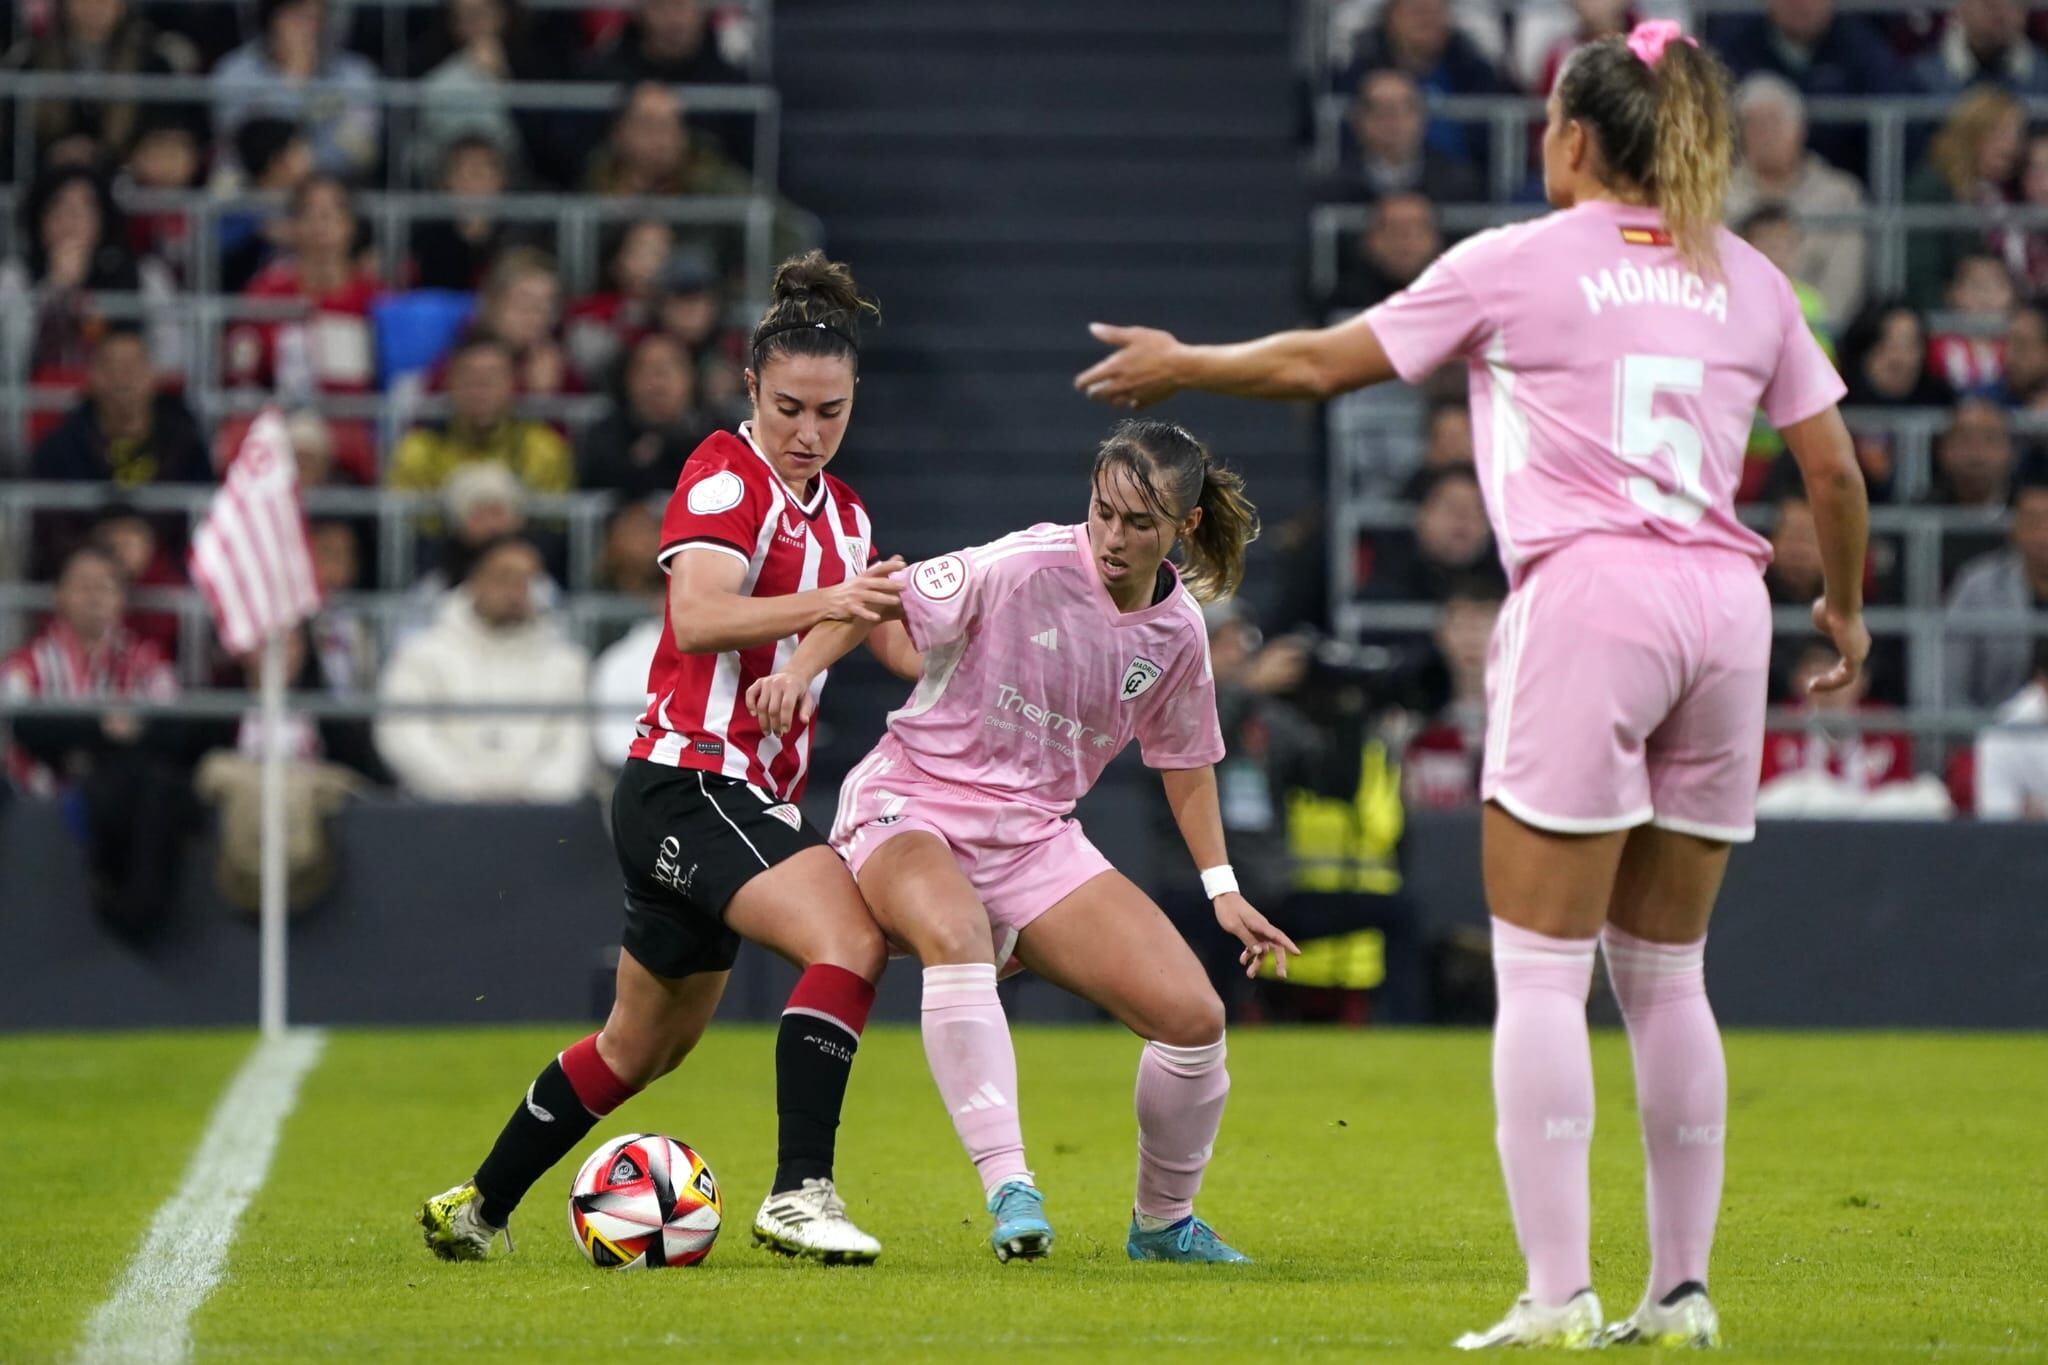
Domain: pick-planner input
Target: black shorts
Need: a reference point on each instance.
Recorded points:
(687, 841)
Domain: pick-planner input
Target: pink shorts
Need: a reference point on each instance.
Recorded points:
(1021, 861)
(1625, 686)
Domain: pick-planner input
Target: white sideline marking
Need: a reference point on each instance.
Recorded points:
(149, 1315)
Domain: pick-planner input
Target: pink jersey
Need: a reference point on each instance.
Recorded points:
(1612, 386)
(1033, 680)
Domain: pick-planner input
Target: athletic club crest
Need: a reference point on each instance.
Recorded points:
(787, 814)
(1140, 675)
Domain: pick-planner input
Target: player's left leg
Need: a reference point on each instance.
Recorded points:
(654, 1022)
(1108, 943)
(924, 900)
(1548, 893)
(1702, 765)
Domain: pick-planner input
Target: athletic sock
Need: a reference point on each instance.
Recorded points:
(1543, 1100)
(1179, 1099)
(821, 1027)
(562, 1105)
(1682, 1093)
(967, 1043)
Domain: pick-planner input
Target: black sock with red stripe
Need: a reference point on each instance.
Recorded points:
(558, 1111)
(821, 1028)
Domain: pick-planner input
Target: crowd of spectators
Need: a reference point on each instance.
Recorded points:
(475, 317)
(516, 372)
(1959, 352)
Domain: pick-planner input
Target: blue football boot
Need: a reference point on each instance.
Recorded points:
(1021, 1230)
(1190, 1239)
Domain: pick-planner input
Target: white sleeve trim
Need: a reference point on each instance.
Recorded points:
(672, 551)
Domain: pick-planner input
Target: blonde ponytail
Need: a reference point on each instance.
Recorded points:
(1215, 551)
(1694, 146)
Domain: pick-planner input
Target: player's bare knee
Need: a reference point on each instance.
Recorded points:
(1193, 1022)
(635, 1055)
(952, 939)
(858, 947)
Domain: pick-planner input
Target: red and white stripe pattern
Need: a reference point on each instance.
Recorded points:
(730, 501)
(251, 556)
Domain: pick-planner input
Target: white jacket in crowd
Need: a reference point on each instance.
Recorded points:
(492, 757)
(619, 680)
(2012, 761)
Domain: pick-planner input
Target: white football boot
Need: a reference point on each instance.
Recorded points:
(1682, 1320)
(811, 1221)
(1573, 1327)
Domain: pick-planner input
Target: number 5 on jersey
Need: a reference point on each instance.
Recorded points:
(1642, 436)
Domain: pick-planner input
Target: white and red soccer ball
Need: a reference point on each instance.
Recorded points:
(644, 1201)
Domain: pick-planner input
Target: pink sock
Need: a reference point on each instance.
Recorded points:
(1180, 1106)
(1682, 1091)
(1543, 1099)
(967, 1043)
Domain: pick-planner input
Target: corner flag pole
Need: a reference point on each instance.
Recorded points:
(271, 994)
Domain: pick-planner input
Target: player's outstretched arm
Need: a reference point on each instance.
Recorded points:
(1841, 514)
(1149, 365)
(1191, 794)
(710, 614)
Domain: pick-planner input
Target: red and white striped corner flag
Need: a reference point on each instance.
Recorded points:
(250, 554)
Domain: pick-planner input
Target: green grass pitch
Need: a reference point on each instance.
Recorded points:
(1887, 1200)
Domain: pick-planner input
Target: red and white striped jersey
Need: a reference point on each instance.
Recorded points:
(57, 665)
(730, 500)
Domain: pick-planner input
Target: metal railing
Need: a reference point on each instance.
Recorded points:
(1922, 623)
(200, 315)
(1511, 120)
(752, 216)
(393, 14)
(1889, 226)
(1317, 61)
(397, 519)
(23, 89)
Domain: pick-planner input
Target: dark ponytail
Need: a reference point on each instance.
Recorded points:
(1174, 473)
(815, 308)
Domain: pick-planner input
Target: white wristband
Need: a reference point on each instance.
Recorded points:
(1218, 881)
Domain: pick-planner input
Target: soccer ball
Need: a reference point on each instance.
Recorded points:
(643, 1201)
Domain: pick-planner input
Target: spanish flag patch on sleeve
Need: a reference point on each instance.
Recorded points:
(1645, 236)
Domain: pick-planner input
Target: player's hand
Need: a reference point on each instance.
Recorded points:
(1143, 370)
(871, 595)
(779, 700)
(1255, 932)
(1851, 638)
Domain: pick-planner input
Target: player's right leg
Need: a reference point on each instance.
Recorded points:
(924, 902)
(807, 909)
(654, 1022)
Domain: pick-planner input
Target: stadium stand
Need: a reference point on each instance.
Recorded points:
(318, 204)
